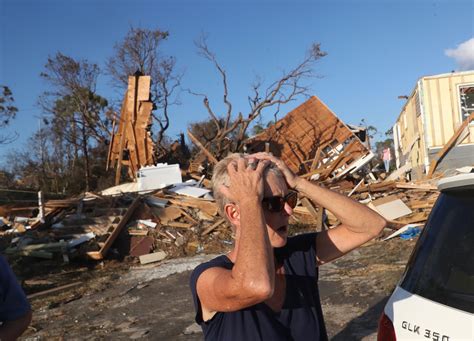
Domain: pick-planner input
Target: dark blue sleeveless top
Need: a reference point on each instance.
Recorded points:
(301, 316)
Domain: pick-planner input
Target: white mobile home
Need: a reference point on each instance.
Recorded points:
(433, 112)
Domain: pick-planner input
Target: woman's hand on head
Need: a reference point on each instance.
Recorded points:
(290, 177)
(245, 179)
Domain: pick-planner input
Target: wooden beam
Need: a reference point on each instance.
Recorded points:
(211, 157)
(327, 172)
(121, 143)
(213, 227)
(179, 224)
(316, 159)
(54, 290)
(453, 141)
(187, 216)
(111, 143)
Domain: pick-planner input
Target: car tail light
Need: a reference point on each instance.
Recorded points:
(386, 331)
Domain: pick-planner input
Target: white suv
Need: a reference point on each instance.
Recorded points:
(434, 300)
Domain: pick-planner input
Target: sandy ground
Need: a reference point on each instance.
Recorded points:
(154, 302)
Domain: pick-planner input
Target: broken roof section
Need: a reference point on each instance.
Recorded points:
(311, 140)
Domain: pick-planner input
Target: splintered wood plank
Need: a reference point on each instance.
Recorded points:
(188, 217)
(205, 182)
(167, 214)
(111, 144)
(207, 207)
(54, 290)
(309, 206)
(210, 156)
(179, 224)
(138, 90)
(138, 232)
(317, 157)
(213, 226)
(421, 187)
(152, 257)
(132, 147)
(144, 84)
(121, 140)
(415, 218)
(377, 187)
(459, 135)
(143, 138)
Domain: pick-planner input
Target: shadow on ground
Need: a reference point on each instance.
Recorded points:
(363, 325)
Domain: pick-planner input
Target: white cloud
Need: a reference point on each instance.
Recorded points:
(463, 54)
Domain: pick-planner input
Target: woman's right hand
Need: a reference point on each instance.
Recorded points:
(246, 181)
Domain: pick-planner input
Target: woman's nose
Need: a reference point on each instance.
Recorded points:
(287, 209)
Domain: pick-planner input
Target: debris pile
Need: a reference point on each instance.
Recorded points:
(159, 216)
(175, 221)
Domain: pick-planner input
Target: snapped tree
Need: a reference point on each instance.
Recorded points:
(140, 51)
(229, 131)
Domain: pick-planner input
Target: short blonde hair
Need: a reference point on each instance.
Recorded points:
(220, 177)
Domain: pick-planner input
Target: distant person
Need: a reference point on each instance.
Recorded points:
(266, 288)
(15, 311)
(386, 157)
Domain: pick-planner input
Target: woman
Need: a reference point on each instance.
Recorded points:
(266, 287)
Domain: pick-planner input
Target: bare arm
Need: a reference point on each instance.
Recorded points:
(251, 280)
(359, 224)
(11, 330)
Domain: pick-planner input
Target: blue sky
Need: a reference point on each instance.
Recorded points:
(376, 49)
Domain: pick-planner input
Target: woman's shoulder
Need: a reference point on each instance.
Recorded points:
(221, 261)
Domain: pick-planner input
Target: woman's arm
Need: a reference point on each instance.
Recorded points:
(359, 223)
(251, 280)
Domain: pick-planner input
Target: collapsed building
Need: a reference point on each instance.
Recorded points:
(313, 141)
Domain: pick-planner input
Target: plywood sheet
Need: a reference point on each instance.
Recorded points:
(391, 208)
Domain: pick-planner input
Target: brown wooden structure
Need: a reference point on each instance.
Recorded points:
(311, 139)
(131, 144)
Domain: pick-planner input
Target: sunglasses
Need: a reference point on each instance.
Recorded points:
(277, 204)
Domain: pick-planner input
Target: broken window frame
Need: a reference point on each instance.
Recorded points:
(463, 111)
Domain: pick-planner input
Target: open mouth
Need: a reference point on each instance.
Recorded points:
(283, 229)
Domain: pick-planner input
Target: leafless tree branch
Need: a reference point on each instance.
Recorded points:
(281, 91)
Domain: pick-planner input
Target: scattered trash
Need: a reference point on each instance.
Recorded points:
(410, 233)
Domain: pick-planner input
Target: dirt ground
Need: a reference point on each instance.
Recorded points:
(115, 301)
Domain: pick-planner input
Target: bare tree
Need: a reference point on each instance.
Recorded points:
(7, 113)
(140, 51)
(288, 87)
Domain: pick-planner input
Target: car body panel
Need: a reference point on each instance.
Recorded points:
(417, 318)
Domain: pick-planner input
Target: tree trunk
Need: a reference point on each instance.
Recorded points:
(86, 156)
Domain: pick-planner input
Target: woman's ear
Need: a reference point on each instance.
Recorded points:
(233, 214)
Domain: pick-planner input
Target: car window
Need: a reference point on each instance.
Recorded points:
(441, 267)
